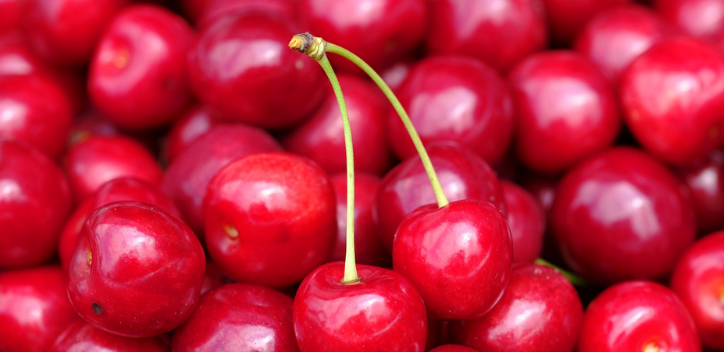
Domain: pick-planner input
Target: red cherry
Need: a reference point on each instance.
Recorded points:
(218, 10)
(213, 277)
(557, 94)
(541, 187)
(566, 18)
(137, 271)
(698, 280)
(637, 316)
(12, 15)
(82, 336)
(193, 123)
(621, 215)
(457, 256)
(234, 316)
(397, 73)
(705, 183)
(527, 221)
(381, 312)
(193, 9)
(539, 312)
(699, 18)
(141, 58)
(455, 98)
(501, 33)
(270, 218)
(673, 100)
(452, 348)
(34, 309)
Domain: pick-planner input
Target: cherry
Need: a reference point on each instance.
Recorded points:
(556, 94)
(501, 33)
(672, 99)
(455, 98)
(239, 316)
(637, 316)
(141, 57)
(98, 159)
(699, 18)
(542, 187)
(193, 123)
(218, 10)
(698, 280)
(243, 70)
(705, 182)
(381, 312)
(539, 311)
(12, 15)
(82, 336)
(397, 73)
(34, 309)
(193, 9)
(213, 277)
(137, 271)
(614, 37)
(458, 256)
(270, 218)
(527, 221)
(452, 348)
(566, 18)
(621, 215)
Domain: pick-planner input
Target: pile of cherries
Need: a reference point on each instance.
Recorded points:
(172, 176)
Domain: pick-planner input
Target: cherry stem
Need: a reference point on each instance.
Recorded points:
(571, 277)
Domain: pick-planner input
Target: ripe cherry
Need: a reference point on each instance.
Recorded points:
(705, 182)
(82, 336)
(192, 123)
(566, 18)
(527, 222)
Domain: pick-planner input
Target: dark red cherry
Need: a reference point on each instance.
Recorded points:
(702, 19)
(239, 316)
(614, 37)
(12, 15)
(501, 33)
(381, 312)
(698, 280)
(637, 316)
(566, 18)
(34, 309)
(673, 100)
(35, 201)
(561, 93)
(621, 215)
(137, 271)
(462, 174)
(141, 58)
(452, 348)
(539, 312)
(541, 187)
(193, 9)
(457, 256)
(218, 10)
(705, 182)
(194, 122)
(270, 218)
(98, 159)
(397, 73)
(243, 70)
(82, 336)
(213, 277)
(186, 179)
(527, 221)
(455, 98)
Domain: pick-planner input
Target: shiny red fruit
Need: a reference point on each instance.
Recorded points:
(452, 348)
(193, 123)
(566, 18)
(220, 10)
(137, 271)
(12, 14)
(381, 312)
(527, 222)
(457, 256)
(702, 19)
(83, 337)
(270, 218)
(705, 182)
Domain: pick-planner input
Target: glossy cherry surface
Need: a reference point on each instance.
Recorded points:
(699, 18)
(137, 271)
(381, 312)
(539, 312)
(637, 316)
(192, 123)
(270, 218)
(705, 182)
(527, 222)
(454, 98)
(35, 201)
(12, 13)
(141, 58)
(698, 280)
(457, 256)
(566, 18)
(82, 336)
(321, 137)
(452, 348)
(219, 10)
(239, 317)
(243, 69)
(34, 309)
(621, 215)
(672, 99)
(462, 174)
(561, 93)
(501, 33)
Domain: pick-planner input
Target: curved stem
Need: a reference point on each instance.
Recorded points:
(572, 278)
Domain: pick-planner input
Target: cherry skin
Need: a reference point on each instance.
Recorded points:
(561, 93)
(35, 201)
(539, 312)
(193, 123)
(698, 280)
(621, 215)
(527, 222)
(213, 277)
(137, 271)
(462, 175)
(637, 316)
(455, 98)
(541, 187)
(141, 58)
(234, 316)
(457, 256)
(82, 336)
(218, 10)
(321, 137)
(672, 99)
(500, 33)
(381, 312)
(566, 18)
(12, 14)
(452, 348)
(705, 182)
(699, 18)
(270, 218)
(243, 70)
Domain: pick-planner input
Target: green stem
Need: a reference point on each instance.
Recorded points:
(439, 194)
(572, 278)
